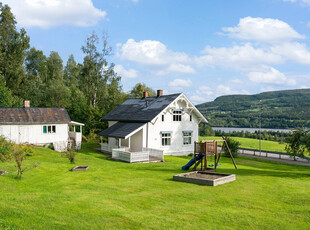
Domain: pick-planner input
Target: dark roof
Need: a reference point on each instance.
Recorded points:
(140, 109)
(120, 129)
(34, 115)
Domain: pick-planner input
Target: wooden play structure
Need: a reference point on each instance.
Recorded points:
(207, 149)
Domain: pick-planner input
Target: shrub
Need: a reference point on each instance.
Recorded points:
(19, 153)
(93, 137)
(70, 154)
(233, 146)
(5, 149)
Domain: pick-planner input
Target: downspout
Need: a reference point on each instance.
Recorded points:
(147, 135)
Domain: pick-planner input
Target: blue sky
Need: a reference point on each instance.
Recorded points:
(202, 48)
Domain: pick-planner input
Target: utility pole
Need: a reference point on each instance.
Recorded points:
(260, 128)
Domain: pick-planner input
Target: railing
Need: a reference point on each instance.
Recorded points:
(123, 155)
(108, 148)
(155, 153)
(272, 154)
(77, 137)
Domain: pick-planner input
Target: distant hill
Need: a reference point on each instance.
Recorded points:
(278, 109)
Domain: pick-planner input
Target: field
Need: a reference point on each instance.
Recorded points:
(117, 195)
(253, 143)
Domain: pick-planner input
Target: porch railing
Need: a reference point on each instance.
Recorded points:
(123, 155)
(155, 153)
(146, 154)
(108, 148)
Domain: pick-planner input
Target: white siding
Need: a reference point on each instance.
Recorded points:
(111, 140)
(177, 128)
(33, 134)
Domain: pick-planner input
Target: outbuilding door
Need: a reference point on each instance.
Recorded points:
(23, 134)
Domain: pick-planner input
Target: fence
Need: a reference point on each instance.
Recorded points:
(272, 154)
(155, 153)
(123, 155)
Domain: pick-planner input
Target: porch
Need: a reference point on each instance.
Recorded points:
(75, 134)
(126, 143)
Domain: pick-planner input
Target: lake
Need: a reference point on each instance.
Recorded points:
(251, 130)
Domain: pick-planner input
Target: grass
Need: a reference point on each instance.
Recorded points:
(253, 143)
(117, 195)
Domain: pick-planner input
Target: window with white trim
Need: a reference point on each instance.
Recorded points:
(166, 138)
(49, 129)
(177, 115)
(187, 137)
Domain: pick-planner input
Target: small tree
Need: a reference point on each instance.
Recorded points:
(298, 144)
(19, 153)
(70, 154)
(233, 146)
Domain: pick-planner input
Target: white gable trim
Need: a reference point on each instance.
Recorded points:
(135, 131)
(189, 106)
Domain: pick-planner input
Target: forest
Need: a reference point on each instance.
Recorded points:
(87, 90)
(276, 109)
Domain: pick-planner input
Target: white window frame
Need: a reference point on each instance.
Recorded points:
(165, 138)
(187, 137)
(177, 115)
(49, 129)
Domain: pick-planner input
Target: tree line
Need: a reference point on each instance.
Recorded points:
(87, 90)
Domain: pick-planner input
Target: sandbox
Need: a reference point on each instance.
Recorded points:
(205, 178)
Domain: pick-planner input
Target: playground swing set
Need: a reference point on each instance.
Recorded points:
(204, 152)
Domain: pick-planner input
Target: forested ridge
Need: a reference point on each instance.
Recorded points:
(278, 109)
(88, 90)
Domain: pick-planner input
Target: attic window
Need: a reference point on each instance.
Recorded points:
(162, 117)
(177, 115)
(190, 117)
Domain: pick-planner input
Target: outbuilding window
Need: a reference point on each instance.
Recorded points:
(187, 137)
(177, 115)
(165, 138)
(49, 128)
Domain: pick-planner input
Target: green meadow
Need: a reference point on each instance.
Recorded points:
(118, 195)
(253, 143)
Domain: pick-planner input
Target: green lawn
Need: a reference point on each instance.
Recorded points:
(253, 143)
(117, 195)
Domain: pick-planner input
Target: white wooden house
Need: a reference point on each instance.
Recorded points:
(151, 127)
(40, 126)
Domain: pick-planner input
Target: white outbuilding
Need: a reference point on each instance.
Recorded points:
(40, 126)
(151, 127)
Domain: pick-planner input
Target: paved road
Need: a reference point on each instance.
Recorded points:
(276, 159)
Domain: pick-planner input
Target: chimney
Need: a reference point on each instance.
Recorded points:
(159, 93)
(145, 94)
(27, 104)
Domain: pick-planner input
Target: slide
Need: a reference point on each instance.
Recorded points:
(191, 162)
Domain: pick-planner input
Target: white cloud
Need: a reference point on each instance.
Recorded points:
(198, 99)
(180, 83)
(49, 13)
(155, 55)
(270, 76)
(202, 94)
(226, 90)
(126, 73)
(295, 51)
(238, 57)
(263, 29)
(303, 2)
